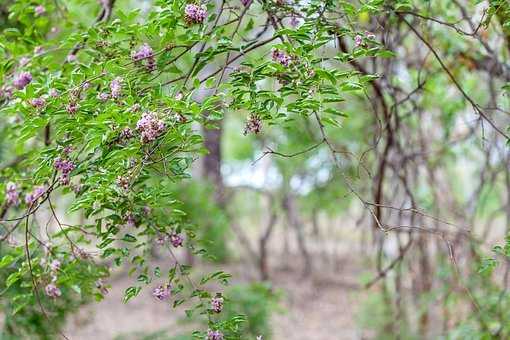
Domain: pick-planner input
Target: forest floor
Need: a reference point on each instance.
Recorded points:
(321, 307)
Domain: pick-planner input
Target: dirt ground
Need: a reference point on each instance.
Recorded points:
(322, 307)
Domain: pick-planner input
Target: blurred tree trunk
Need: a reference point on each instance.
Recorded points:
(212, 161)
(289, 206)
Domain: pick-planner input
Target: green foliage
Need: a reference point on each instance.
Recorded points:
(256, 302)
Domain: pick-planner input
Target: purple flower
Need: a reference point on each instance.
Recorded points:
(161, 240)
(294, 21)
(150, 127)
(53, 93)
(116, 87)
(52, 290)
(103, 96)
(126, 133)
(130, 220)
(38, 50)
(23, 61)
(194, 14)
(12, 194)
(72, 107)
(145, 51)
(253, 125)
(65, 166)
(39, 10)
(281, 57)
(369, 35)
(246, 2)
(176, 239)
(55, 265)
(145, 54)
(35, 195)
(68, 149)
(358, 40)
(22, 80)
(162, 292)
(214, 335)
(217, 304)
(38, 102)
(71, 58)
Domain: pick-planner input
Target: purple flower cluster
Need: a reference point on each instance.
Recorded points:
(39, 10)
(145, 53)
(217, 304)
(103, 96)
(22, 80)
(162, 292)
(194, 14)
(72, 107)
(55, 265)
(38, 50)
(53, 93)
(176, 239)
(130, 220)
(52, 290)
(12, 194)
(38, 102)
(253, 125)
(150, 127)
(65, 166)
(116, 87)
(281, 57)
(32, 197)
(214, 335)
(358, 40)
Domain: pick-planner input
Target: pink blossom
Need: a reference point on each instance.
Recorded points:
(194, 14)
(217, 304)
(65, 166)
(103, 96)
(12, 194)
(176, 239)
(358, 40)
(71, 58)
(162, 292)
(38, 102)
(52, 290)
(23, 61)
(39, 10)
(281, 57)
(214, 335)
(150, 127)
(38, 50)
(55, 265)
(72, 107)
(22, 80)
(253, 125)
(116, 87)
(35, 195)
(130, 220)
(145, 54)
(370, 35)
(53, 93)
